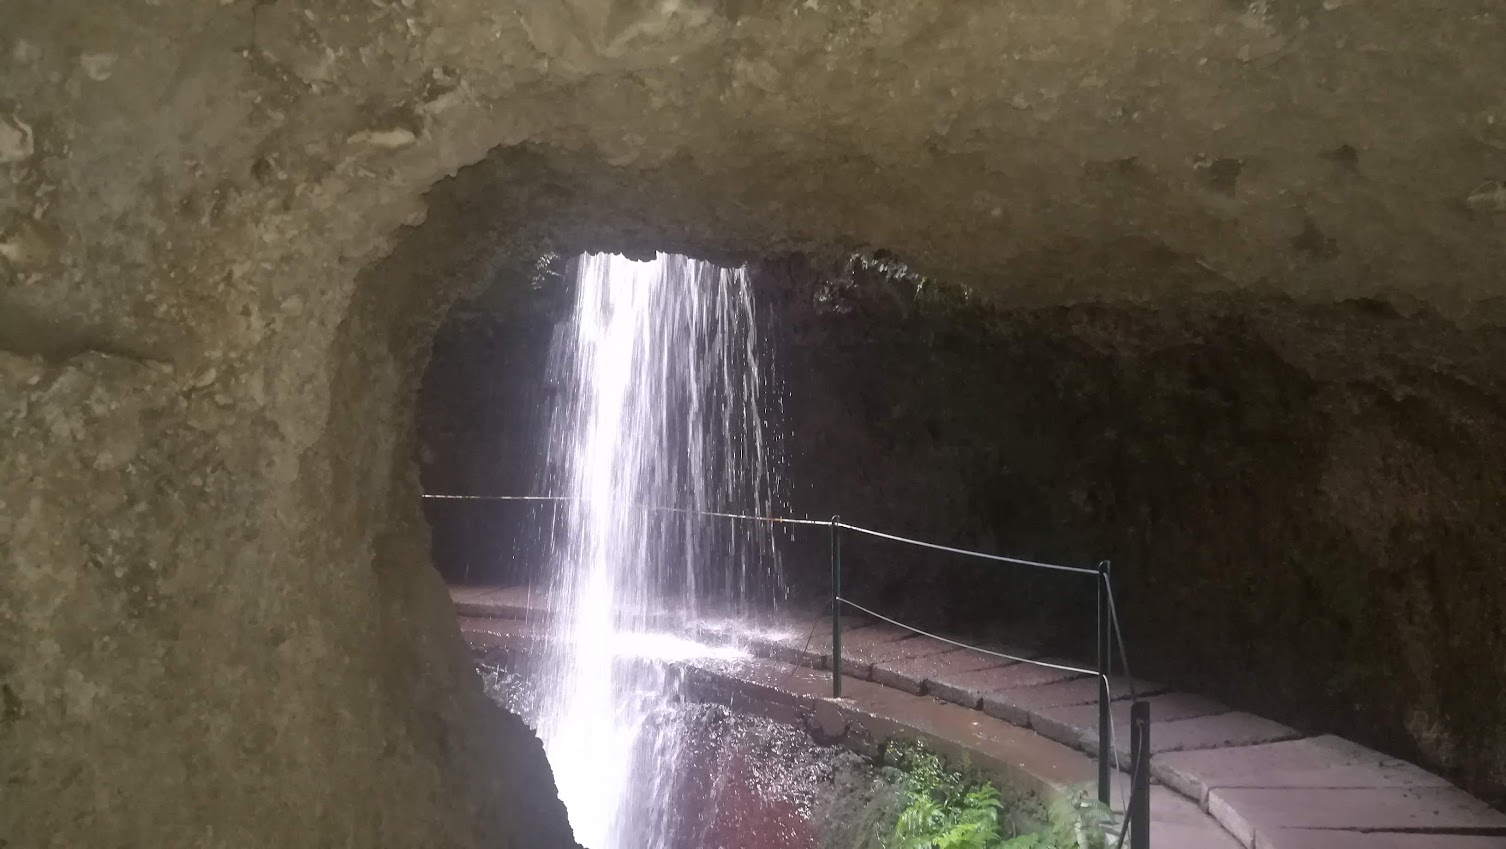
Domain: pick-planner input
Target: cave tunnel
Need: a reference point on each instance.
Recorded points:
(1213, 290)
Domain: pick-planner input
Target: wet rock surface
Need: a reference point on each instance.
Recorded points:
(735, 781)
(1299, 501)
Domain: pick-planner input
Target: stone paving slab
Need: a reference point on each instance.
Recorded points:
(1319, 838)
(1251, 813)
(792, 651)
(818, 624)
(807, 641)
(859, 660)
(862, 646)
(1077, 725)
(806, 648)
(1018, 704)
(1219, 731)
(1222, 731)
(857, 642)
(762, 620)
(969, 688)
(878, 634)
(912, 674)
(1177, 823)
(1314, 762)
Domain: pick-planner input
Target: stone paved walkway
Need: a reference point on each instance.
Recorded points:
(1223, 778)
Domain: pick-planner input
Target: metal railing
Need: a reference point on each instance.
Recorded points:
(1136, 824)
(1109, 637)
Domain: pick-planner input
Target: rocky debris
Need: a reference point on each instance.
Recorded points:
(389, 139)
(98, 66)
(16, 141)
(1488, 197)
(27, 244)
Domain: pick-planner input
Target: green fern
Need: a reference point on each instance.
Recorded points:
(1077, 820)
(945, 810)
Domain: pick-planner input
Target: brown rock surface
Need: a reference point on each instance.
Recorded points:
(220, 271)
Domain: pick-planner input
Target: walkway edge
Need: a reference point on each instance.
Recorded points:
(1255, 780)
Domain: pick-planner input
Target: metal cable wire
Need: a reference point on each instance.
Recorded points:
(1134, 782)
(795, 663)
(789, 521)
(654, 507)
(896, 622)
(1113, 747)
(1113, 609)
(772, 519)
(1129, 678)
(501, 497)
(998, 557)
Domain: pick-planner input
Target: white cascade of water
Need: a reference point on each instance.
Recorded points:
(660, 401)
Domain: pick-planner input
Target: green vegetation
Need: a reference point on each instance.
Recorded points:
(944, 809)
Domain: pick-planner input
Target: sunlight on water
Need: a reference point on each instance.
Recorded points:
(660, 401)
(671, 648)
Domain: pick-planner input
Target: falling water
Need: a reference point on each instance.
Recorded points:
(660, 404)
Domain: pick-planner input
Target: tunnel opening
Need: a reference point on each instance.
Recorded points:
(1079, 433)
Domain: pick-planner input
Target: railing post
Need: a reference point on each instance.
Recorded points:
(1105, 649)
(836, 607)
(1139, 808)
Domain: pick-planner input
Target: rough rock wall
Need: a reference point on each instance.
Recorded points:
(217, 626)
(1301, 502)
(205, 504)
(484, 401)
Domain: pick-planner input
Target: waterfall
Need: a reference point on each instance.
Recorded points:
(659, 402)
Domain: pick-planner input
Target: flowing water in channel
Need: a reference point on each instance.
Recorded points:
(661, 401)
